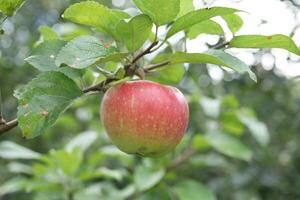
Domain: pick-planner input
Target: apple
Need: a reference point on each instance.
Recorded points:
(144, 117)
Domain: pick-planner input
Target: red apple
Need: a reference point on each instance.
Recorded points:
(144, 118)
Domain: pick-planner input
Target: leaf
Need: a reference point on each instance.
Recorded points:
(171, 74)
(258, 129)
(261, 41)
(197, 16)
(208, 27)
(145, 177)
(135, 32)
(8, 7)
(82, 141)
(103, 172)
(43, 58)
(13, 185)
(229, 145)
(43, 100)
(186, 6)
(234, 22)
(94, 14)
(10, 150)
(216, 57)
(192, 190)
(19, 168)
(68, 162)
(47, 33)
(161, 12)
(82, 52)
(231, 123)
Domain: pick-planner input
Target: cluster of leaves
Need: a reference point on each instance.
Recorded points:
(83, 169)
(65, 62)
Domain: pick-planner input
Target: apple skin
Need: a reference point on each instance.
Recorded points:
(144, 117)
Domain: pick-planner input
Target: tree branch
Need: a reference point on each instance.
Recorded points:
(6, 126)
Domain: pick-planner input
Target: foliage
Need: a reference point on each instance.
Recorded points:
(227, 149)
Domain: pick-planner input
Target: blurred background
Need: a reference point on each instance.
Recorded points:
(254, 156)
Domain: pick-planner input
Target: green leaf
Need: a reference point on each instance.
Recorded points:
(171, 74)
(47, 33)
(68, 162)
(8, 7)
(231, 123)
(186, 6)
(192, 190)
(208, 27)
(94, 14)
(83, 52)
(43, 59)
(103, 172)
(82, 141)
(229, 145)
(10, 150)
(216, 57)
(43, 100)
(197, 16)
(258, 129)
(135, 32)
(145, 177)
(13, 185)
(261, 41)
(161, 12)
(234, 22)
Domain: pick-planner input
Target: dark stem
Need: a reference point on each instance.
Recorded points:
(145, 52)
(220, 46)
(70, 196)
(100, 87)
(6, 126)
(155, 66)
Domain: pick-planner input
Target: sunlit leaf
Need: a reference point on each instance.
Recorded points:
(197, 16)
(135, 32)
(47, 33)
(208, 27)
(234, 22)
(94, 14)
(8, 7)
(261, 41)
(186, 6)
(161, 12)
(216, 57)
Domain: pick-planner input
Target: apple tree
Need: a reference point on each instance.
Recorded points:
(128, 58)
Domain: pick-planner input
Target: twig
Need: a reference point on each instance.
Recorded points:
(152, 67)
(148, 50)
(220, 46)
(100, 87)
(8, 126)
(145, 52)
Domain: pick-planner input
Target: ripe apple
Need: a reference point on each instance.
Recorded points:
(144, 117)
